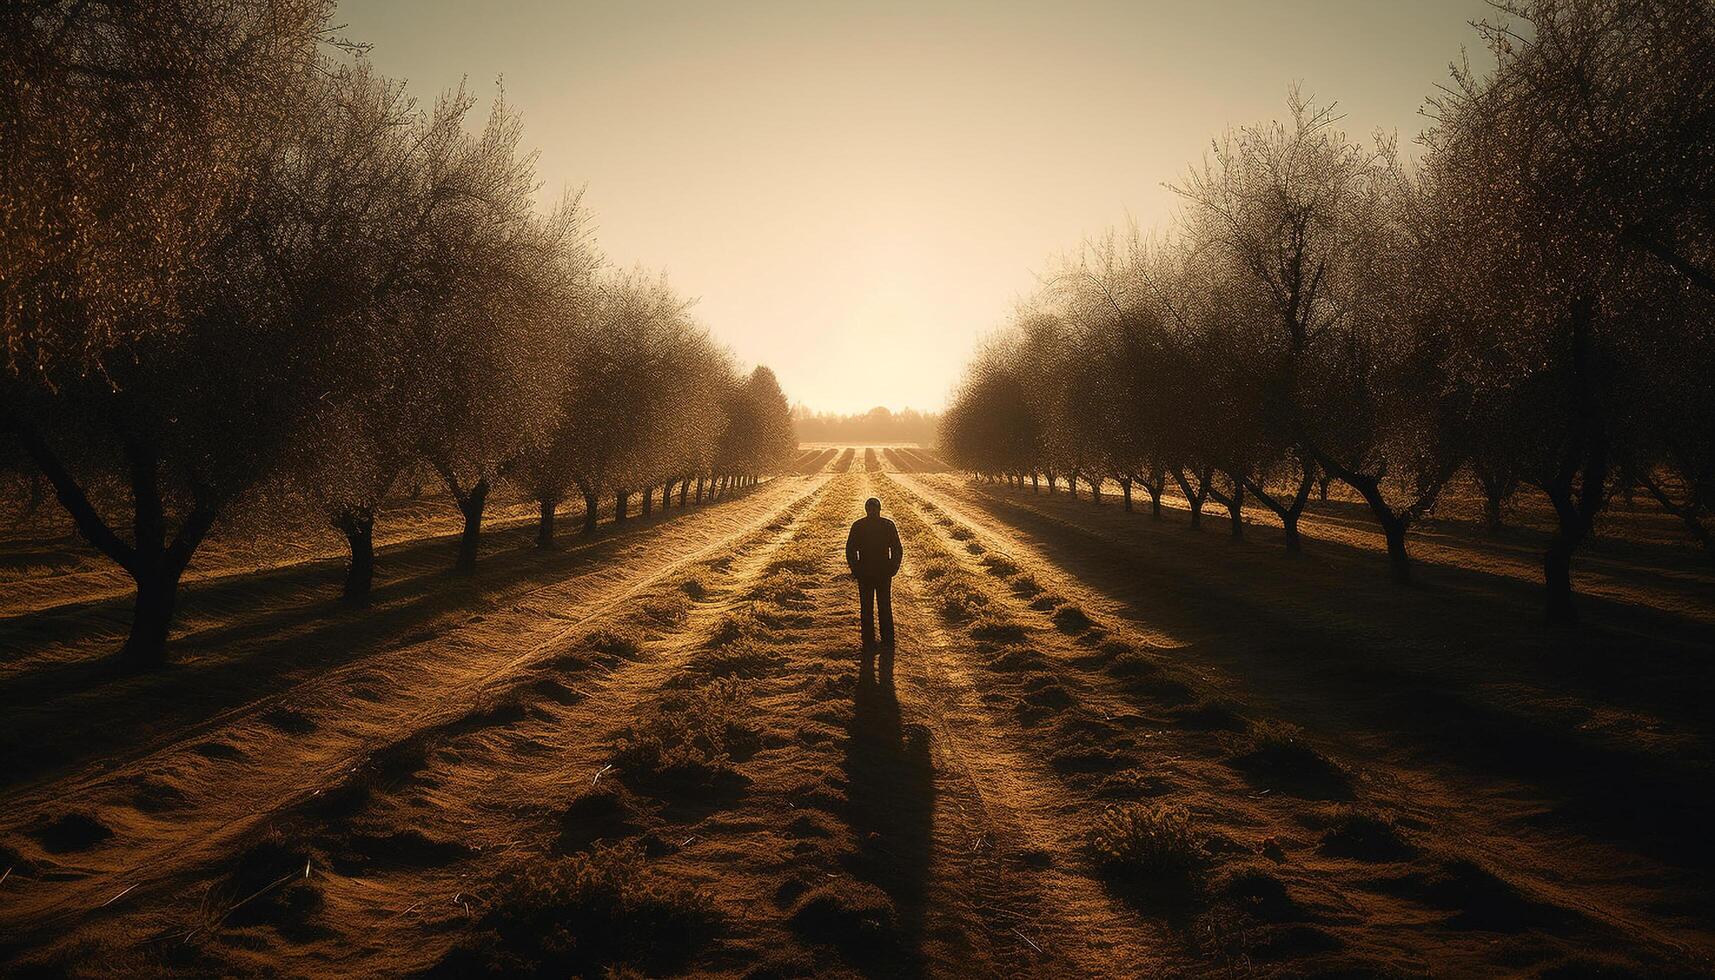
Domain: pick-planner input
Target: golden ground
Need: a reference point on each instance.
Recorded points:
(658, 748)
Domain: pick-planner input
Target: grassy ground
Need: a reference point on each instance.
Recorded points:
(1105, 746)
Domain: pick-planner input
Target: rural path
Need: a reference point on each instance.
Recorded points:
(696, 700)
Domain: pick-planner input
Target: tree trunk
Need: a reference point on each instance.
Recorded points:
(1579, 488)
(1496, 486)
(1394, 530)
(684, 488)
(1288, 512)
(621, 505)
(1393, 525)
(1236, 511)
(1557, 576)
(359, 531)
(471, 506)
(545, 522)
(1322, 486)
(1194, 500)
(151, 615)
(592, 517)
(1096, 491)
(700, 481)
(648, 499)
(1492, 524)
(1125, 493)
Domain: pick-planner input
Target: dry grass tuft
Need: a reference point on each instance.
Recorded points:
(688, 741)
(1280, 758)
(742, 657)
(613, 643)
(71, 832)
(1365, 837)
(669, 610)
(991, 629)
(585, 915)
(1143, 845)
(853, 916)
(1071, 619)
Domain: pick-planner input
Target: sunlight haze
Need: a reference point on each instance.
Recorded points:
(855, 194)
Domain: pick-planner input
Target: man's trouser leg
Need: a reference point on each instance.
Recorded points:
(866, 603)
(884, 606)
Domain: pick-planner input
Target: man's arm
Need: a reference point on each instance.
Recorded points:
(851, 549)
(894, 546)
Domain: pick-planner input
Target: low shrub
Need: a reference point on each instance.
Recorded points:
(1366, 838)
(1143, 845)
(585, 914)
(688, 740)
(613, 643)
(1280, 758)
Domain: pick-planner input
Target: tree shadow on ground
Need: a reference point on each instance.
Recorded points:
(281, 626)
(1458, 668)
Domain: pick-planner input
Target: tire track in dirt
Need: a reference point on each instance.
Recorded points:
(353, 714)
(1520, 855)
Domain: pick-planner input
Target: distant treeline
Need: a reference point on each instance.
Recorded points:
(1533, 303)
(879, 425)
(235, 261)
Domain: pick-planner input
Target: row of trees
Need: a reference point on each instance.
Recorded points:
(1531, 302)
(879, 424)
(233, 257)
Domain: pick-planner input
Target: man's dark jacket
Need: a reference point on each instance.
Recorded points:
(873, 550)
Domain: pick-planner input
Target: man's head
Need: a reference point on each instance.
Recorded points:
(872, 507)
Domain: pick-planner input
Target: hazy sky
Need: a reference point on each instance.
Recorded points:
(857, 192)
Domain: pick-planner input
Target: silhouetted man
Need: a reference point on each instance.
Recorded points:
(873, 553)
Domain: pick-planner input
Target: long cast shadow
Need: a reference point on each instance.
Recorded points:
(891, 794)
(1338, 648)
(45, 713)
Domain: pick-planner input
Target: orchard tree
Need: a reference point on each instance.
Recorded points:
(153, 372)
(758, 437)
(1318, 225)
(485, 355)
(1574, 173)
(341, 229)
